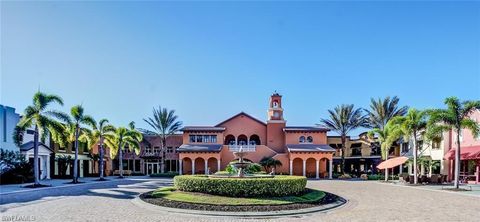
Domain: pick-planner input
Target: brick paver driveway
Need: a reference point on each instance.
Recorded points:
(113, 201)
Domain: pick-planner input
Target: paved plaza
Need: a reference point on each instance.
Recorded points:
(115, 200)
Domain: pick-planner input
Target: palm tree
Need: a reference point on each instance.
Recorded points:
(78, 120)
(456, 118)
(124, 138)
(44, 121)
(411, 125)
(385, 137)
(344, 119)
(164, 123)
(269, 162)
(103, 130)
(382, 110)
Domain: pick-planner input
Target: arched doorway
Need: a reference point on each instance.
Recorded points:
(311, 166)
(229, 140)
(199, 166)
(254, 139)
(297, 167)
(323, 168)
(242, 140)
(213, 165)
(186, 165)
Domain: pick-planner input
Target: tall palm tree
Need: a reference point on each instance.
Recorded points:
(103, 130)
(164, 123)
(456, 118)
(124, 138)
(385, 137)
(78, 120)
(343, 119)
(382, 110)
(44, 121)
(411, 126)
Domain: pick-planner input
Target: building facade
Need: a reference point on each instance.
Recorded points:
(148, 161)
(8, 120)
(302, 150)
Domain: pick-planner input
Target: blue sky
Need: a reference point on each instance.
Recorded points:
(211, 60)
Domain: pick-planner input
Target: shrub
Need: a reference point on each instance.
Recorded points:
(14, 168)
(168, 174)
(245, 187)
(364, 176)
(345, 176)
(253, 168)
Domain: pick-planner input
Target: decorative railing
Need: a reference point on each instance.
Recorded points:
(244, 148)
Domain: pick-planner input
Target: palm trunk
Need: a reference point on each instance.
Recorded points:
(36, 170)
(120, 160)
(415, 154)
(101, 159)
(386, 169)
(162, 167)
(342, 164)
(456, 182)
(75, 163)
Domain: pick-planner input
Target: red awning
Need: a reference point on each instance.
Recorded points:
(390, 163)
(466, 153)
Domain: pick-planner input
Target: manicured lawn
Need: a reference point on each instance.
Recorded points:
(170, 193)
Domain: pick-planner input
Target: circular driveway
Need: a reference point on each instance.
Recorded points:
(115, 201)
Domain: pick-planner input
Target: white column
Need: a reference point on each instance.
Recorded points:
(330, 168)
(193, 166)
(304, 168)
(401, 169)
(206, 166)
(48, 167)
(317, 168)
(430, 170)
(180, 166)
(218, 165)
(478, 173)
(291, 167)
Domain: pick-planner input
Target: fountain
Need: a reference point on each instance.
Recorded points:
(241, 165)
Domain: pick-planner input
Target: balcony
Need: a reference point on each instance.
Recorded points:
(244, 148)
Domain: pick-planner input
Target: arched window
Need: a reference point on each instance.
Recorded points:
(229, 140)
(309, 139)
(254, 139)
(242, 140)
(302, 139)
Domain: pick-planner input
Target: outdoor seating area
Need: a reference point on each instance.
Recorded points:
(424, 179)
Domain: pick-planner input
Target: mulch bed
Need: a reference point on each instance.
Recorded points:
(147, 197)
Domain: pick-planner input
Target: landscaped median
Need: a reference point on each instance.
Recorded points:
(279, 193)
(246, 187)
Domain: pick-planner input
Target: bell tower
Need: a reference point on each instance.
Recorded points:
(275, 110)
(276, 124)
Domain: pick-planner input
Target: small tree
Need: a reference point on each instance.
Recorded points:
(411, 126)
(124, 138)
(269, 162)
(386, 137)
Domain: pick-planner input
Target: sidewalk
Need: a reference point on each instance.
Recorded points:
(55, 183)
(472, 189)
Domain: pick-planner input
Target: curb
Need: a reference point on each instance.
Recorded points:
(53, 187)
(323, 208)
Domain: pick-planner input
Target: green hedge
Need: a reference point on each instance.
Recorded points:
(245, 187)
(169, 174)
